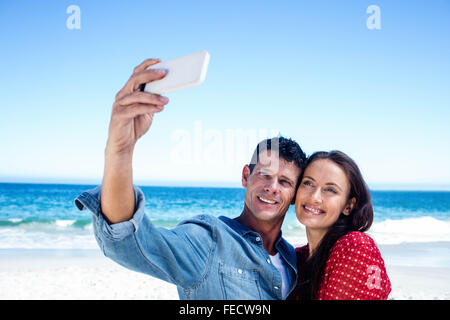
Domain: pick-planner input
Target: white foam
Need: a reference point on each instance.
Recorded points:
(64, 223)
(24, 238)
(422, 229)
(61, 234)
(411, 230)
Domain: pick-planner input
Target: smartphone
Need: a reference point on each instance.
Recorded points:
(181, 73)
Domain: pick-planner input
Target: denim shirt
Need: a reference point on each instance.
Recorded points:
(204, 256)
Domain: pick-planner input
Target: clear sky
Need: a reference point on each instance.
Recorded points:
(310, 70)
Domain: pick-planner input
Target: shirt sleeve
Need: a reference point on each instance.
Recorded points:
(179, 255)
(355, 270)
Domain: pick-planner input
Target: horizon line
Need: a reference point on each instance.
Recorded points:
(401, 186)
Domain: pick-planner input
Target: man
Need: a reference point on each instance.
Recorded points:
(204, 256)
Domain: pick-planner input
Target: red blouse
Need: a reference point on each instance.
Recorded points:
(353, 271)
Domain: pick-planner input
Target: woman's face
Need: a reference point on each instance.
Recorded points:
(322, 195)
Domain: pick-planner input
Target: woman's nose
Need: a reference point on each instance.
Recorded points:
(316, 195)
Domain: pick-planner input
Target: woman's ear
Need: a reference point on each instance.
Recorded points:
(349, 207)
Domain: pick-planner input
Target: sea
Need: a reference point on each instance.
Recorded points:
(43, 216)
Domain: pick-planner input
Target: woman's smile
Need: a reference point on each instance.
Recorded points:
(315, 211)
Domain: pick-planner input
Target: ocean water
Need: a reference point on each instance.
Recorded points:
(43, 216)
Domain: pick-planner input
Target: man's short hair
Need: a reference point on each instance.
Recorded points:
(287, 149)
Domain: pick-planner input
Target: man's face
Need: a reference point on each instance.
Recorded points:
(270, 187)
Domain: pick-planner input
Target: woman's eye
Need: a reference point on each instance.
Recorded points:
(331, 190)
(307, 183)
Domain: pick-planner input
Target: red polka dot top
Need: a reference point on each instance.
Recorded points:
(353, 271)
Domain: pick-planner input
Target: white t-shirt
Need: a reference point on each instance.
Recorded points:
(281, 266)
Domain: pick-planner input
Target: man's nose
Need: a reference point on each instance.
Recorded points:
(272, 185)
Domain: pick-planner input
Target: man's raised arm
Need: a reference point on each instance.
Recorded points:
(131, 117)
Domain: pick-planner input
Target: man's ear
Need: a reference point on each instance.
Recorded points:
(245, 175)
(349, 207)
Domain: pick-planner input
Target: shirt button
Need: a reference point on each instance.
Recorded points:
(240, 271)
(268, 261)
(275, 287)
(258, 239)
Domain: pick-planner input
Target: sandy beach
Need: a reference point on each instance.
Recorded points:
(87, 274)
(74, 274)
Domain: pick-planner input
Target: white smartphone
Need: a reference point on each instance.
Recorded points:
(181, 73)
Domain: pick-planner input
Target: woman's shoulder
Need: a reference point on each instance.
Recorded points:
(355, 263)
(356, 246)
(355, 238)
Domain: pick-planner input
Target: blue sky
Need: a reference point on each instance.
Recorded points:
(309, 70)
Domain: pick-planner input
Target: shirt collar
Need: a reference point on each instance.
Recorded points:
(283, 247)
(244, 230)
(238, 227)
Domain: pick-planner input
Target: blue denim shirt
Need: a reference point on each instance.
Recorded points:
(204, 256)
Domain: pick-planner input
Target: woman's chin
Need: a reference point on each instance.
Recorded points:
(310, 221)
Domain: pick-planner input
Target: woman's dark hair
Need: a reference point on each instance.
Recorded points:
(311, 270)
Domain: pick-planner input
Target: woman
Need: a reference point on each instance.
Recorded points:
(339, 261)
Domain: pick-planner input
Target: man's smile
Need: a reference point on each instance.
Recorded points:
(265, 200)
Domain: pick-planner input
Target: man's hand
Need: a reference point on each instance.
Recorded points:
(133, 110)
(131, 118)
